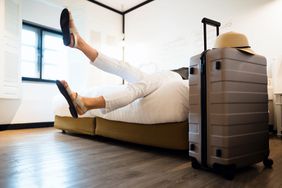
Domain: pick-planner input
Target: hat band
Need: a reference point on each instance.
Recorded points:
(243, 47)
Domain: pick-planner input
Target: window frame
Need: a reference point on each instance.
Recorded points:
(41, 29)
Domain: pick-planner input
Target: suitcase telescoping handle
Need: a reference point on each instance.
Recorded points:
(203, 91)
(207, 21)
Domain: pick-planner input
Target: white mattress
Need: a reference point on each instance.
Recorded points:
(169, 103)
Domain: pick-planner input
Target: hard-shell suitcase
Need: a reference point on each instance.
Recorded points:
(228, 118)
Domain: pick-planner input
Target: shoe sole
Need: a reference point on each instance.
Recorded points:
(65, 26)
(68, 98)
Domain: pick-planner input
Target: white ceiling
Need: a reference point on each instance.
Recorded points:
(121, 5)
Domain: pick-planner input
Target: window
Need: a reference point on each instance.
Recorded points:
(43, 54)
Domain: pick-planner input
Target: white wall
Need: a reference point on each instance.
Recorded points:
(169, 32)
(163, 34)
(93, 22)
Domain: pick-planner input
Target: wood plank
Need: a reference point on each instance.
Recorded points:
(45, 157)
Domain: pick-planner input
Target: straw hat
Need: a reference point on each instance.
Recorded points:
(233, 40)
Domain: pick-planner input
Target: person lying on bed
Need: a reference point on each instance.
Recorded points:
(139, 83)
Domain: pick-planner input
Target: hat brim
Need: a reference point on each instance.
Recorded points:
(247, 50)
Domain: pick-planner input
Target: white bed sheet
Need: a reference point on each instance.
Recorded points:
(169, 103)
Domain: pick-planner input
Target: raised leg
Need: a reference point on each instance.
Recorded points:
(110, 65)
(114, 100)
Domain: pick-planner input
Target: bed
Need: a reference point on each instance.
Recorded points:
(159, 119)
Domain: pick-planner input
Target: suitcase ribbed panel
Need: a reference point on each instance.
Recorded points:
(237, 107)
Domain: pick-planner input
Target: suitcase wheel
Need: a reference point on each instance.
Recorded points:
(268, 162)
(227, 171)
(195, 163)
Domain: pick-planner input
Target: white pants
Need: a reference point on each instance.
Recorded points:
(140, 84)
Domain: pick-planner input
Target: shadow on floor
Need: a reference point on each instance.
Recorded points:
(179, 154)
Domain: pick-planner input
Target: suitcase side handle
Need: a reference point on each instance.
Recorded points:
(207, 21)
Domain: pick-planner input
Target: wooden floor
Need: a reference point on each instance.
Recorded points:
(45, 157)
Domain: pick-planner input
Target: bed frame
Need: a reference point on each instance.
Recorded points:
(164, 135)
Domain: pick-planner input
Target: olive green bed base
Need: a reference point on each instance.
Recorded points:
(164, 135)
